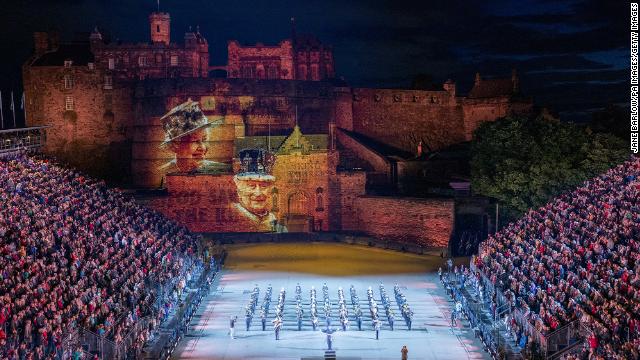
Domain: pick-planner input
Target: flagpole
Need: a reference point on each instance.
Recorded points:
(24, 108)
(13, 110)
(1, 112)
(297, 138)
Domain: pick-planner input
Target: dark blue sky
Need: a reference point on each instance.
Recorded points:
(572, 55)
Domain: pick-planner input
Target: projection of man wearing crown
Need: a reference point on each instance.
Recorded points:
(254, 184)
(187, 135)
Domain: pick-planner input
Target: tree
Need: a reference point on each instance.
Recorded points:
(613, 120)
(525, 162)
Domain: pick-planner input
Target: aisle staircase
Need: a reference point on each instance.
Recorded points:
(499, 334)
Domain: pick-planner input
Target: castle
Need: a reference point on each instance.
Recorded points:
(104, 101)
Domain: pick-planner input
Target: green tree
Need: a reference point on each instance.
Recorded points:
(612, 120)
(524, 162)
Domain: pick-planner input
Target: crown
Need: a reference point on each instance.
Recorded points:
(256, 164)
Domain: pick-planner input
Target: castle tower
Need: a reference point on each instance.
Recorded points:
(41, 42)
(160, 27)
(450, 87)
(95, 39)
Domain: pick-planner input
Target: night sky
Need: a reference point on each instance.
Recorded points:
(572, 56)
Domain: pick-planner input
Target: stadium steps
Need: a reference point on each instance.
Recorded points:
(513, 351)
(572, 349)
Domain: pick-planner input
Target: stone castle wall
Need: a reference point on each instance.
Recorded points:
(94, 134)
(108, 123)
(129, 112)
(261, 62)
(403, 118)
(345, 188)
(305, 187)
(427, 222)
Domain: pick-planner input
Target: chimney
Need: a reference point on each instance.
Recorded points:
(54, 39)
(41, 42)
(95, 39)
(190, 38)
(450, 87)
(478, 79)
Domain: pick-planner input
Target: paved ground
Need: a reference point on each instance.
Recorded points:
(285, 265)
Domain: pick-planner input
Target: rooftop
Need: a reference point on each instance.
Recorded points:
(488, 88)
(78, 52)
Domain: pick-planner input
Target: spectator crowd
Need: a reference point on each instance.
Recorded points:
(577, 258)
(75, 254)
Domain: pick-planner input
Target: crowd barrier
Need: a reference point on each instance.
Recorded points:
(168, 336)
(82, 343)
(329, 237)
(472, 310)
(549, 343)
(13, 141)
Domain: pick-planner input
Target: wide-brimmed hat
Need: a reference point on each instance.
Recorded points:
(183, 120)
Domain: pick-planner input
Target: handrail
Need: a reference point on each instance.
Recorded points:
(568, 350)
(562, 327)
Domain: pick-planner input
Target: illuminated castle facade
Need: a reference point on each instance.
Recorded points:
(104, 100)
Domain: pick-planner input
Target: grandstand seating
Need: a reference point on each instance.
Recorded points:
(577, 258)
(76, 254)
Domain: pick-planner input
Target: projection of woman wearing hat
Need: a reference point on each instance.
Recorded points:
(254, 184)
(187, 134)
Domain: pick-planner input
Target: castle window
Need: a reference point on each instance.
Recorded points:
(91, 66)
(142, 61)
(112, 63)
(319, 199)
(174, 60)
(68, 82)
(68, 63)
(302, 72)
(157, 28)
(158, 59)
(248, 71)
(68, 103)
(315, 73)
(108, 82)
(272, 72)
(108, 102)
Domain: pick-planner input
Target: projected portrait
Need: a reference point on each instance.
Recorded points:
(187, 136)
(254, 185)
